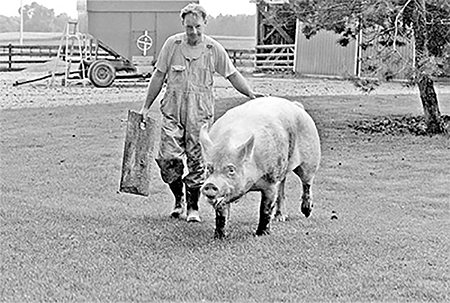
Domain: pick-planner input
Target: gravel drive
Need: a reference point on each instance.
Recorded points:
(38, 94)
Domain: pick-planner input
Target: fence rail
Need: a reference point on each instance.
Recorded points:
(19, 57)
(14, 57)
(275, 57)
(263, 57)
(242, 57)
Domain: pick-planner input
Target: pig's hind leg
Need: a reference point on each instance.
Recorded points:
(306, 175)
(280, 210)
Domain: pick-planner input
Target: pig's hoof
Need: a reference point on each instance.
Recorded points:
(193, 216)
(220, 235)
(280, 217)
(306, 211)
(177, 212)
(264, 232)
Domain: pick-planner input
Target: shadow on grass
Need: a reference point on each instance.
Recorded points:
(187, 235)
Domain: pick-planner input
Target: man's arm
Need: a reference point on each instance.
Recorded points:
(154, 88)
(241, 85)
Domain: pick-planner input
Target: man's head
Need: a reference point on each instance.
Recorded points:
(193, 18)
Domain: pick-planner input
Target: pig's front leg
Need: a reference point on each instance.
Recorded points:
(222, 215)
(268, 197)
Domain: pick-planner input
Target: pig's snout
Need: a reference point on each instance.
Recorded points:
(210, 191)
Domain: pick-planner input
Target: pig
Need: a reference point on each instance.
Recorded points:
(252, 147)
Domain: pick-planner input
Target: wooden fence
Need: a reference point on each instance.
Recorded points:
(18, 57)
(263, 57)
(244, 58)
(275, 57)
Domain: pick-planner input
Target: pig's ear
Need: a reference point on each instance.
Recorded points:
(245, 151)
(205, 140)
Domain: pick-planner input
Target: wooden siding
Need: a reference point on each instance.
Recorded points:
(112, 28)
(136, 5)
(322, 55)
(120, 23)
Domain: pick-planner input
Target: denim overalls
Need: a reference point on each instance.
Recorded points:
(187, 105)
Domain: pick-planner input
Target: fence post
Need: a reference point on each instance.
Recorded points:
(10, 57)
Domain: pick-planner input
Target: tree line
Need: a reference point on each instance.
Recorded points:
(240, 25)
(36, 18)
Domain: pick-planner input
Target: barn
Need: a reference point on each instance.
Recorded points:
(282, 46)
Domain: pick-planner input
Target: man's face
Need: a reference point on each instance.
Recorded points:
(194, 27)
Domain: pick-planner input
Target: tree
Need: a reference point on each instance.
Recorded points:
(390, 22)
(60, 22)
(240, 25)
(9, 24)
(38, 18)
(426, 88)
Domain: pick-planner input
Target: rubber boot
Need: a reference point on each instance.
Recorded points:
(177, 190)
(192, 195)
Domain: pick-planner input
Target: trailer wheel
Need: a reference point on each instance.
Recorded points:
(101, 73)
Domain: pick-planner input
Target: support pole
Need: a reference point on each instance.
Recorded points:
(21, 23)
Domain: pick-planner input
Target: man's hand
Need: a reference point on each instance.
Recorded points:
(144, 112)
(240, 84)
(258, 95)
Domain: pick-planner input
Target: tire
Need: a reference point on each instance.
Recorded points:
(102, 73)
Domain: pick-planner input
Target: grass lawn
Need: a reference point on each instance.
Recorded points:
(67, 235)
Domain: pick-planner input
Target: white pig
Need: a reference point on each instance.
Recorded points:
(252, 147)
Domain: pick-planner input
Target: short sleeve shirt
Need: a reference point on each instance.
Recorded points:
(221, 61)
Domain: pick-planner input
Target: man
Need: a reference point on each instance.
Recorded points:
(187, 63)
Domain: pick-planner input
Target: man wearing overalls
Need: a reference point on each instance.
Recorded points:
(188, 61)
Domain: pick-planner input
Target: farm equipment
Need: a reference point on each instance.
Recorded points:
(124, 39)
(96, 60)
(102, 71)
(103, 64)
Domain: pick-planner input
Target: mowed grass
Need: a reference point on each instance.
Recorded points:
(67, 235)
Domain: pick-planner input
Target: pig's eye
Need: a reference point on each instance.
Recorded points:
(231, 169)
(209, 169)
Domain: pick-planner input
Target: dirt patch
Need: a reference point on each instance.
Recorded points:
(40, 94)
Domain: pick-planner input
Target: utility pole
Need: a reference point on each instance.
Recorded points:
(21, 23)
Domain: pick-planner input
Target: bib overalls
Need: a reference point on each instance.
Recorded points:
(187, 105)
